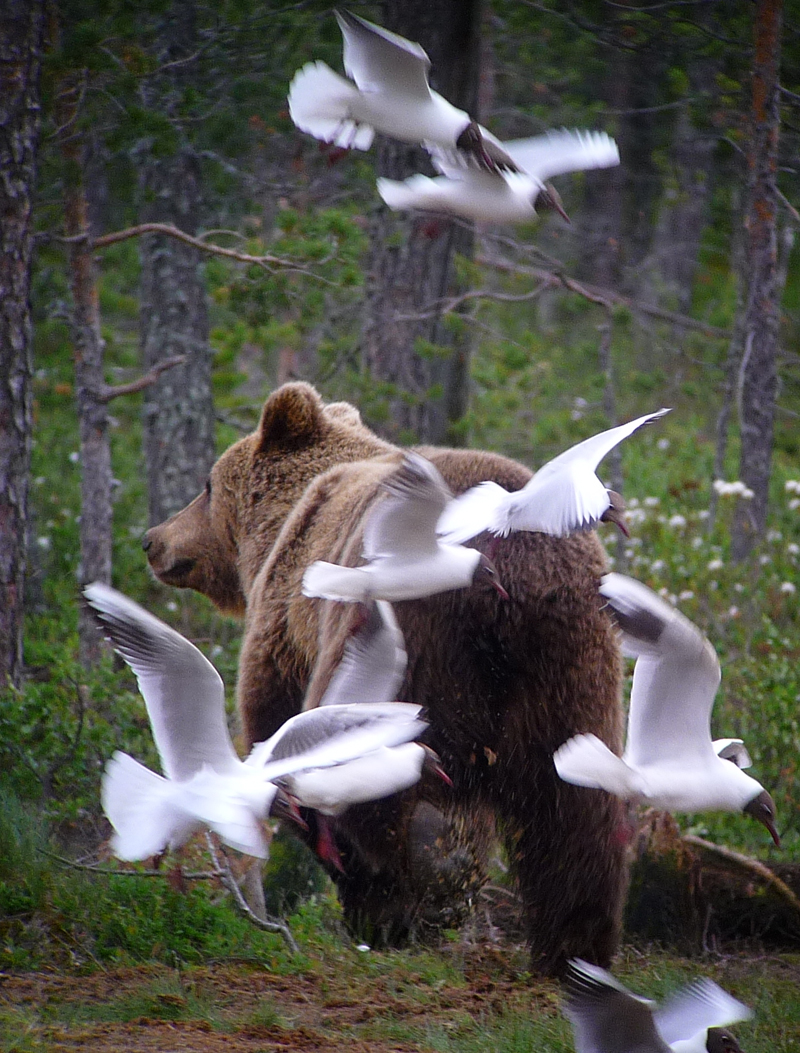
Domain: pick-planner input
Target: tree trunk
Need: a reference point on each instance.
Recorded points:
(178, 411)
(420, 365)
(89, 380)
(758, 373)
(21, 44)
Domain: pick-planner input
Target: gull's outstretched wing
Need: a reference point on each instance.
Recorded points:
(374, 661)
(405, 520)
(182, 690)
(557, 152)
(381, 61)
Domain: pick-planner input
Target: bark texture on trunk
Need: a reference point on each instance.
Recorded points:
(758, 378)
(178, 410)
(411, 267)
(21, 45)
(88, 346)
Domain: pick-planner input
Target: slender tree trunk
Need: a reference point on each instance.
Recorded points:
(89, 379)
(178, 409)
(21, 45)
(420, 364)
(758, 373)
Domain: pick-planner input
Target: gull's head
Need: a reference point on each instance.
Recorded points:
(615, 513)
(286, 806)
(549, 199)
(720, 1040)
(486, 571)
(762, 808)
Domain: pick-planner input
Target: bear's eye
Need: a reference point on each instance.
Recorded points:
(208, 488)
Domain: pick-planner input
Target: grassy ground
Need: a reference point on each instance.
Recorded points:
(471, 993)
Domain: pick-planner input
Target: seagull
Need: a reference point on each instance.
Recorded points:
(670, 761)
(388, 92)
(608, 1018)
(405, 560)
(563, 496)
(503, 196)
(205, 783)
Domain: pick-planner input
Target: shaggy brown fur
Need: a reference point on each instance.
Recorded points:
(504, 683)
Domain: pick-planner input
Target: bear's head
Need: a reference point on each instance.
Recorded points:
(217, 544)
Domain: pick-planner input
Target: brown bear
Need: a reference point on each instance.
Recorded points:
(504, 683)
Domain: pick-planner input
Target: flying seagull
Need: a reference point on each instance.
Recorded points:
(563, 496)
(670, 761)
(511, 195)
(388, 92)
(205, 783)
(374, 661)
(405, 559)
(608, 1018)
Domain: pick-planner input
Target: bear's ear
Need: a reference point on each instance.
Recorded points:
(344, 413)
(292, 416)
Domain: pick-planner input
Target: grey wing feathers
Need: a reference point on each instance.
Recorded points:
(700, 1005)
(606, 1017)
(379, 60)
(407, 517)
(319, 726)
(374, 661)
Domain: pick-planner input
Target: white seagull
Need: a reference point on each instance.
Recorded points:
(608, 1018)
(405, 559)
(670, 761)
(509, 196)
(563, 496)
(388, 92)
(205, 783)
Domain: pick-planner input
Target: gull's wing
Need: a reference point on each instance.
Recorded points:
(607, 1017)
(694, 1008)
(329, 735)
(182, 690)
(675, 678)
(405, 520)
(381, 61)
(733, 750)
(544, 156)
(559, 500)
(592, 451)
(460, 165)
(374, 661)
(483, 507)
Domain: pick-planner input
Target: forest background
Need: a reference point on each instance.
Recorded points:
(676, 284)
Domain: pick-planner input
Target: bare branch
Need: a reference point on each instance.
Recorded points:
(605, 297)
(229, 881)
(142, 382)
(754, 866)
(266, 261)
(440, 307)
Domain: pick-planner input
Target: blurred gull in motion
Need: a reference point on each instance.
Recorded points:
(669, 760)
(608, 1018)
(405, 558)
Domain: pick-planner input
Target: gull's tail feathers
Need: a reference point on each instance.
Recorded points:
(332, 582)
(319, 103)
(484, 507)
(586, 761)
(218, 803)
(138, 805)
(418, 191)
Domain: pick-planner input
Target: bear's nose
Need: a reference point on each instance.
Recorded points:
(146, 542)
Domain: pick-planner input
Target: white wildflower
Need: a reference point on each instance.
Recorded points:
(39, 480)
(677, 520)
(635, 515)
(651, 502)
(738, 587)
(774, 535)
(217, 650)
(44, 543)
(657, 565)
(697, 542)
(172, 606)
(794, 503)
(747, 494)
(715, 564)
(792, 486)
(74, 457)
(712, 586)
(687, 594)
(764, 560)
(663, 444)
(703, 513)
(788, 587)
(733, 612)
(633, 502)
(792, 548)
